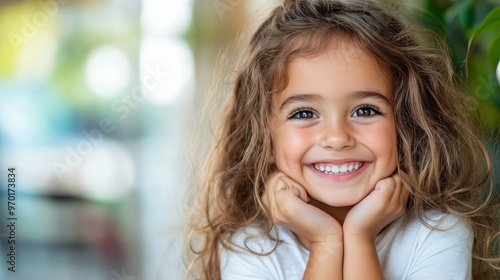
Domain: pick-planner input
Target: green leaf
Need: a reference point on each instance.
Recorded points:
(490, 23)
(494, 52)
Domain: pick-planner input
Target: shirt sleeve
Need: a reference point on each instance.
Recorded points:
(443, 253)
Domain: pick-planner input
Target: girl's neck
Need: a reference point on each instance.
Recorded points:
(339, 213)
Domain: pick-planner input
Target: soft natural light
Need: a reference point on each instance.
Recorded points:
(166, 62)
(165, 17)
(167, 69)
(107, 173)
(36, 59)
(107, 71)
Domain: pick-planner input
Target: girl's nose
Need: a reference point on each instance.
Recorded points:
(337, 136)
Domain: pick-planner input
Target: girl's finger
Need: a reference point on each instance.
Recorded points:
(402, 193)
(398, 188)
(296, 188)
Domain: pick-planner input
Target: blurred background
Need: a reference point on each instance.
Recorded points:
(97, 101)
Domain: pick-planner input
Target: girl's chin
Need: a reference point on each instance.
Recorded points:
(334, 203)
(340, 204)
(343, 199)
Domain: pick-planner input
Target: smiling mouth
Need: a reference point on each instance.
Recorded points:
(338, 169)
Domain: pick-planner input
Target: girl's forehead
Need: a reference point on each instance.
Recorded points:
(314, 44)
(341, 53)
(337, 75)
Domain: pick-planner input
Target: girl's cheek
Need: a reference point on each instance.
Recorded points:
(290, 145)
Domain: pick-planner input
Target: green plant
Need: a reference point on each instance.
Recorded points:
(471, 29)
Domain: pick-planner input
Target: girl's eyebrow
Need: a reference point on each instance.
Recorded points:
(301, 98)
(318, 98)
(370, 94)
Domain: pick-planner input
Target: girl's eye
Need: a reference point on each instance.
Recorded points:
(366, 111)
(303, 114)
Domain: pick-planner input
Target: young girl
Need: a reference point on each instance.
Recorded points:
(345, 152)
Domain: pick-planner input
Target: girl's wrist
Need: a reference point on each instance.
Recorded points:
(326, 249)
(366, 239)
(330, 241)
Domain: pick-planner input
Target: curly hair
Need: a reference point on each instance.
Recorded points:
(441, 159)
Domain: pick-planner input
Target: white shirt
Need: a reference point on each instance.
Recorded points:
(407, 249)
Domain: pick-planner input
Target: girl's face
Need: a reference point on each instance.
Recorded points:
(333, 126)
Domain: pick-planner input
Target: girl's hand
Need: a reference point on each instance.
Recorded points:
(288, 201)
(383, 205)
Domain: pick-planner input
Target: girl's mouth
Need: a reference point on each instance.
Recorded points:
(338, 169)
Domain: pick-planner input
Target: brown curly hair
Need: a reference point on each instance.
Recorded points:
(441, 160)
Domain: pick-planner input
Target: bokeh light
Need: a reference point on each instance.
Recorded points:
(107, 71)
(167, 69)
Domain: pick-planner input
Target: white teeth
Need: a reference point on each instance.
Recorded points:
(343, 168)
(335, 169)
(338, 169)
